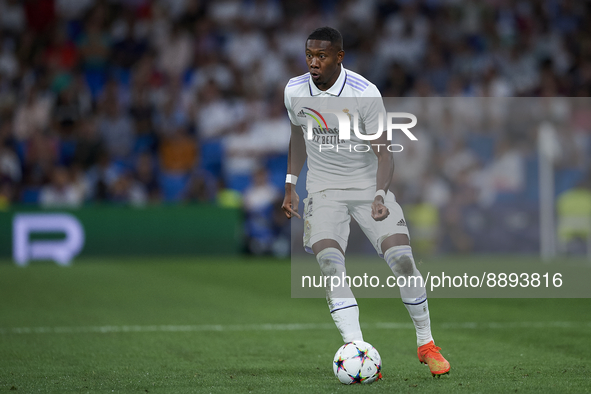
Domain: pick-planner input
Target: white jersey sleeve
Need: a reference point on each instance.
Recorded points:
(290, 112)
(295, 86)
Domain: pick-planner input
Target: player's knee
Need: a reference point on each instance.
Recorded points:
(404, 266)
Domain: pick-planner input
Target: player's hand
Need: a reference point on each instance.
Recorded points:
(291, 201)
(378, 210)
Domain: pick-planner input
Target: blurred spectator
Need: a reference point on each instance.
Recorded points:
(69, 108)
(10, 173)
(241, 156)
(506, 174)
(212, 70)
(32, 115)
(145, 172)
(415, 158)
(246, 45)
(398, 82)
(178, 151)
(201, 187)
(94, 43)
(41, 154)
(456, 236)
(215, 115)
(435, 191)
(12, 16)
(142, 111)
(170, 117)
(580, 124)
(100, 177)
(259, 200)
(574, 217)
(72, 9)
(8, 62)
(271, 131)
(261, 194)
(263, 76)
(459, 159)
(175, 51)
(117, 131)
(226, 197)
(127, 190)
(10, 169)
(404, 37)
(89, 145)
(128, 50)
(61, 52)
(177, 155)
(61, 191)
(424, 220)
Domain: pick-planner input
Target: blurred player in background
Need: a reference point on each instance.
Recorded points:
(344, 184)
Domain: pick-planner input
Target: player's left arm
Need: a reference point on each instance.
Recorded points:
(383, 177)
(373, 108)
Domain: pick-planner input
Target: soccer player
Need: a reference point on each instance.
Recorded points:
(342, 184)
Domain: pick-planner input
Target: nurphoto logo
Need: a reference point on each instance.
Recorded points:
(330, 138)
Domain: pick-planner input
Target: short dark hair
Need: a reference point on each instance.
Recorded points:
(328, 34)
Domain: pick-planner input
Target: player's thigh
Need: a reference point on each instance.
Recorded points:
(325, 219)
(378, 231)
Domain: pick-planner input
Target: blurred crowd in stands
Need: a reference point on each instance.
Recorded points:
(144, 102)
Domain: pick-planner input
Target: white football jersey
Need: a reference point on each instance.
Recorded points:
(350, 163)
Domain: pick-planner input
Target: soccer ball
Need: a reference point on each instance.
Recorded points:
(357, 362)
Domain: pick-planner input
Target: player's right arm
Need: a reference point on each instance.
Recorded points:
(295, 161)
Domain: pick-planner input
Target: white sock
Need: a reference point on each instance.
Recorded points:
(420, 317)
(347, 321)
(342, 303)
(413, 294)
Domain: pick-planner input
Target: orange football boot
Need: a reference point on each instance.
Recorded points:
(429, 354)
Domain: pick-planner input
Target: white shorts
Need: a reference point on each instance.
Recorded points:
(327, 215)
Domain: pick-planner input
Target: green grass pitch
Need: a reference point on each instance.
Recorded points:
(228, 325)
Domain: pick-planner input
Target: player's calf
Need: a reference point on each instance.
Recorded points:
(412, 290)
(341, 302)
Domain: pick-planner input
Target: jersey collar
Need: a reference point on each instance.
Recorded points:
(335, 90)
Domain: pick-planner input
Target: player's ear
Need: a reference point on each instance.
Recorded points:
(340, 56)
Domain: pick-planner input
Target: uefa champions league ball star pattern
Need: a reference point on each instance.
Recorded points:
(357, 362)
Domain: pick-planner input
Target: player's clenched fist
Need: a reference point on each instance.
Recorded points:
(378, 210)
(291, 202)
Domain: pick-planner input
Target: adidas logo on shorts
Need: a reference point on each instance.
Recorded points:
(401, 223)
(301, 114)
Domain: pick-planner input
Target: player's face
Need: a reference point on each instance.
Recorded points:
(324, 62)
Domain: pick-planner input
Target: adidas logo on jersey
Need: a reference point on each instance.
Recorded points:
(401, 223)
(301, 114)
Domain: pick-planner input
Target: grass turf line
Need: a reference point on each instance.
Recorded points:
(256, 291)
